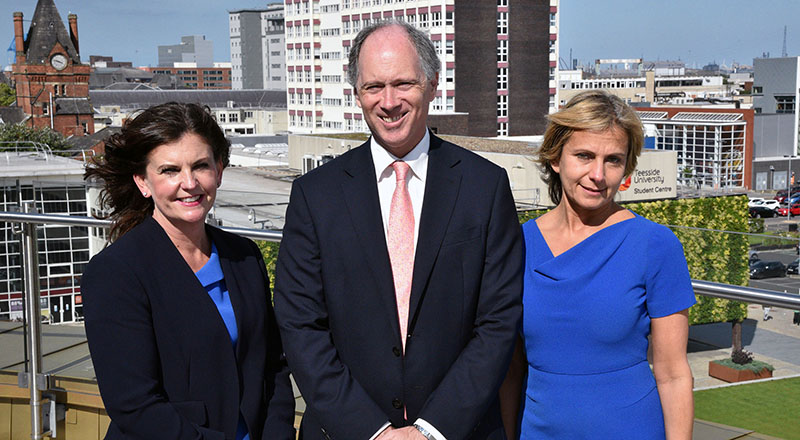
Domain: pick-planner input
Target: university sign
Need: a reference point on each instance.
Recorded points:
(655, 177)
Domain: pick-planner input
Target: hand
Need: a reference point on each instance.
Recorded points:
(406, 433)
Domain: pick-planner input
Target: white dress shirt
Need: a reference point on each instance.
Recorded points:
(417, 160)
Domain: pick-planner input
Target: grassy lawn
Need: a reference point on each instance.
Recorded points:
(771, 408)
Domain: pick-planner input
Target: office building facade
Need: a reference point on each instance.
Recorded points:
(257, 48)
(191, 49)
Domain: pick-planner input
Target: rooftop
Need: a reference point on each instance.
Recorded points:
(213, 98)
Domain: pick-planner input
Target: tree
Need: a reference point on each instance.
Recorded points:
(19, 132)
(7, 95)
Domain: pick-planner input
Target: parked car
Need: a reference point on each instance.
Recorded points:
(753, 256)
(780, 196)
(771, 203)
(767, 269)
(792, 267)
(760, 211)
(755, 201)
(795, 210)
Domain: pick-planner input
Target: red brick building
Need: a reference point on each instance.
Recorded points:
(52, 84)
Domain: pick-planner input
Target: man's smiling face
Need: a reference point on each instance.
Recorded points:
(392, 90)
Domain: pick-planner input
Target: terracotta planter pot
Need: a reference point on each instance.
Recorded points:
(729, 374)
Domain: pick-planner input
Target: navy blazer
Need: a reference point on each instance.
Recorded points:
(336, 307)
(162, 354)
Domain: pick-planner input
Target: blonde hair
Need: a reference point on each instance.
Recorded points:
(593, 110)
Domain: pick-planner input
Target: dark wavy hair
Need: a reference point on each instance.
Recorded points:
(127, 153)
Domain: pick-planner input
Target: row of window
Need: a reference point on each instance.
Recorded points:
(298, 76)
(426, 20)
(364, 3)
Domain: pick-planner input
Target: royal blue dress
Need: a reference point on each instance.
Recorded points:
(586, 322)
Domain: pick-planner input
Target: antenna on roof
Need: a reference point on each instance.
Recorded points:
(784, 54)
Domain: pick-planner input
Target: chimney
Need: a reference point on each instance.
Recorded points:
(19, 38)
(650, 86)
(73, 31)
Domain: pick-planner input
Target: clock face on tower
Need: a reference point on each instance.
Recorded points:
(58, 61)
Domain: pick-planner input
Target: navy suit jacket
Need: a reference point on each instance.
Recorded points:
(336, 307)
(162, 354)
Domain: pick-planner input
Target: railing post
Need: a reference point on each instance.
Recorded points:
(30, 258)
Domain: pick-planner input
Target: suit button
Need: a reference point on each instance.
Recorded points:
(397, 403)
(397, 352)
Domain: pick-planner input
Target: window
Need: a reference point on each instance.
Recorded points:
(423, 20)
(449, 75)
(222, 117)
(448, 18)
(348, 100)
(448, 46)
(248, 114)
(502, 129)
(437, 103)
(291, 98)
(45, 109)
(502, 2)
(450, 103)
(345, 27)
(502, 78)
(411, 19)
(502, 106)
(758, 90)
(437, 44)
(436, 19)
(502, 51)
(552, 19)
(784, 104)
(502, 23)
(233, 117)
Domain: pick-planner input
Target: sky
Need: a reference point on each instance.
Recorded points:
(695, 31)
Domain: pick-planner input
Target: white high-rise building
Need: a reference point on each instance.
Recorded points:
(487, 50)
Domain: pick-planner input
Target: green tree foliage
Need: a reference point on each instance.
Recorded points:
(7, 95)
(711, 255)
(269, 250)
(19, 132)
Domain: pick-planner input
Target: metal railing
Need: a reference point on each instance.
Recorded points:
(39, 384)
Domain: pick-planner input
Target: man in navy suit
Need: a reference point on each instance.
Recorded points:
(399, 279)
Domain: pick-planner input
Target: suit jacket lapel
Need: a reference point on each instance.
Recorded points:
(183, 285)
(234, 291)
(360, 188)
(441, 191)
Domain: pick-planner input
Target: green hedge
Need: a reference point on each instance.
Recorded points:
(711, 256)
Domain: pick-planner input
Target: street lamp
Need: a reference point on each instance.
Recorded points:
(789, 189)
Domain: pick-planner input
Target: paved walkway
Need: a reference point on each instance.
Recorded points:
(776, 341)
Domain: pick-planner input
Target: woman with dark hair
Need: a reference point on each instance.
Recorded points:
(178, 313)
(601, 286)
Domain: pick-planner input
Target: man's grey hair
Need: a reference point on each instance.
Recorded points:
(428, 60)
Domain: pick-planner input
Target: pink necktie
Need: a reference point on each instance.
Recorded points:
(401, 244)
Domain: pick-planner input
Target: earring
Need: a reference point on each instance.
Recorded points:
(144, 193)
